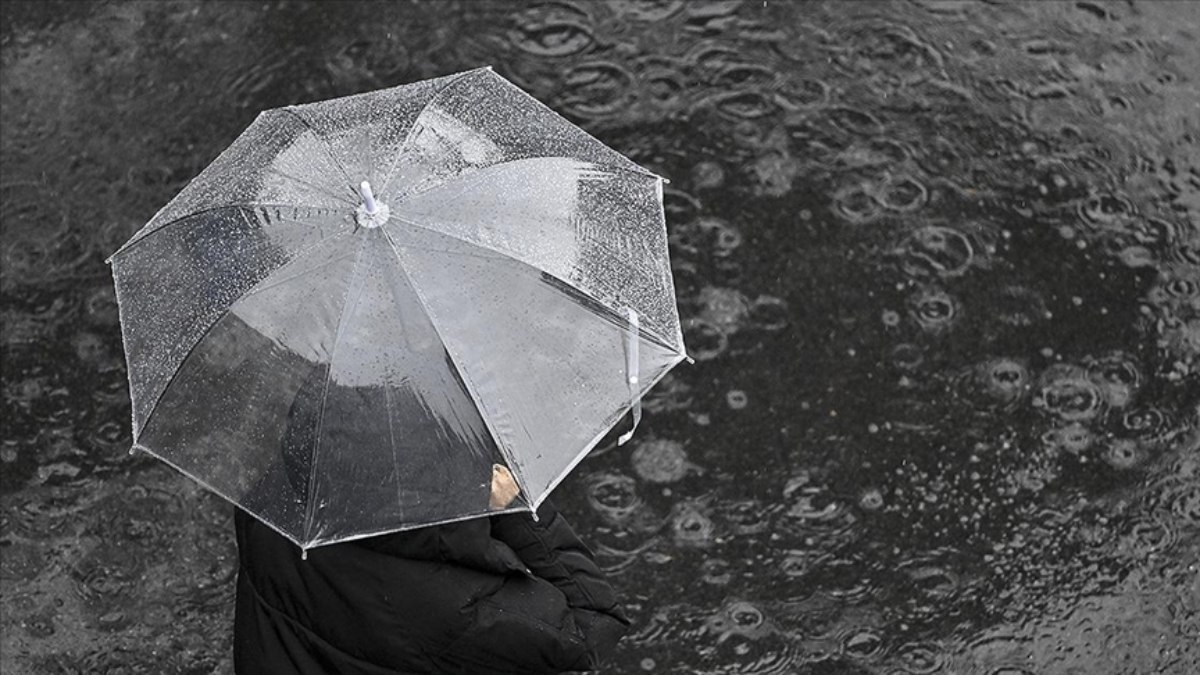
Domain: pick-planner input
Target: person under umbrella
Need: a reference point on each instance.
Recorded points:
(386, 327)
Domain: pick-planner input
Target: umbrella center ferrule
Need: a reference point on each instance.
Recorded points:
(370, 214)
(369, 220)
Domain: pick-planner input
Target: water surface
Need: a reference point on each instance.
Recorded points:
(938, 261)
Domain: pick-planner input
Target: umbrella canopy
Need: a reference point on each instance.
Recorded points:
(364, 303)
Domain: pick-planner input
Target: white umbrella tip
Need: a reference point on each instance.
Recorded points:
(364, 188)
(370, 213)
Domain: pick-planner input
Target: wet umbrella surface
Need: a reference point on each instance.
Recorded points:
(938, 263)
(341, 364)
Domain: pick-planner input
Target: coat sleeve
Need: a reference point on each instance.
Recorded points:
(563, 615)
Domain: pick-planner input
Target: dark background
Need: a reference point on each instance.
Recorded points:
(938, 261)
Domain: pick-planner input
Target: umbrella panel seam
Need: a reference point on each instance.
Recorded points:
(611, 314)
(250, 205)
(468, 384)
(310, 495)
(389, 173)
(220, 317)
(325, 145)
(620, 414)
(403, 147)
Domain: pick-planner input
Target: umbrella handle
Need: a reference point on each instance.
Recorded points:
(631, 372)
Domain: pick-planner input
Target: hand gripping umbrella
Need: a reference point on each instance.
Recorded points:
(364, 303)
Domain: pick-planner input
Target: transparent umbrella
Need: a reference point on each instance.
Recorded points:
(364, 303)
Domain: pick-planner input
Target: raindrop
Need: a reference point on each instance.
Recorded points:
(856, 203)
(1118, 376)
(647, 10)
(89, 348)
(902, 193)
(1056, 183)
(862, 644)
(725, 308)
(725, 237)
(21, 561)
(679, 206)
(870, 499)
(907, 356)
(1136, 256)
(659, 82)
(1000, 381)
(1073, 438)
(920, 658)
(614, 496)
(890, 50)
(739, 618)
(1018, 306)
(101, 306)
(941, 157)
(705, 340)
(1146, 423)
(743, 105)
(716, 571)
(736, 399)
(1185, 503)
(802, 93)
(596, 89)
(671, 394)
(935, 250)
(552, 37)
(691, 527)
(933, 309)
(746, 516)
(708, 175)
(1146, 536)
(744, 75)
(1066, 391)
(28, 262)
(769, 313)
(1105, 209)
(933, 581)
(1124, 454)
(855, 121)
(661, 461)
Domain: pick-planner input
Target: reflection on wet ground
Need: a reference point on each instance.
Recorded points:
(938, 262)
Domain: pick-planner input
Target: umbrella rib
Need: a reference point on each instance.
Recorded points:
(388, 174)
(263, 287)
(587, 449)
(179, 219)
(220, 317)
(328, 150)
(466, 380)
(609, 313)
(474, 176)
(387, 404)
(354, 277)
(633, 168)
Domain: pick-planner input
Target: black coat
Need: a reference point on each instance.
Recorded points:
(503, 594)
